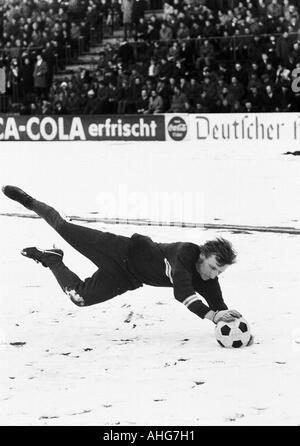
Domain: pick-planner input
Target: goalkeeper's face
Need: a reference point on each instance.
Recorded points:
(209, 268)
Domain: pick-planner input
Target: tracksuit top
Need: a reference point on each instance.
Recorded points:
(174, 265)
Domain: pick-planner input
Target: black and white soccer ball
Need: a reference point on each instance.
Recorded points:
(234, 334)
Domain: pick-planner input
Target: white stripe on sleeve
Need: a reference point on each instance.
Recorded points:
(190, 300)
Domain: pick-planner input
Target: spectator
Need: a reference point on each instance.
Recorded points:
(154, 21)
(274, 9)
(270, 72)
(125, 53)
(143, 102)
(159, 50)
(240, 74)
(46, 108)
(138, 11)
(63, 93)
(165, 33)
(122, 75)
(248, 107)
(186, 55)
(256, 99)
(59, 109)
(184, 85)
(271, 49)
(285, 98)
(220, 85)
(225, 99)
(205, 55)
(183, 31)
(2, 87)
(133, 76)
(163, 90)
(102, 97)
(295, 106)
(224, 72)
(149, 85)
(125, 103)
(114, 14)
(262, 63)
(91, 106)
(153, 69)
(193, 91)
(237, 89)
(270, 100)
(203, 104)
(294, 56)
(237, 107)
(83, 99)
(14, 81)
(27, 76)
(179, 70)
(255, 48)
(152, 33)
(156, 103)
(141, 28)
(113, 96)
(283, 48)
(35, 107)
(136, 88)
(179, 101)
(73, 103)
(290, 12)
(165, 68)
(209, 86)
(102, 64)
(49, 58)
(127, 9)
(174, 51)
(40, 76)
(282, 74)
(75, 34)
(225, 106)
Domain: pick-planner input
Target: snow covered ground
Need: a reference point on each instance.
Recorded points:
(142, 358)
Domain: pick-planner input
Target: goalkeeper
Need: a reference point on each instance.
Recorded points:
(125, 264)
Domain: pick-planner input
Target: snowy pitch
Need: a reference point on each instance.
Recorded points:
(142, 358)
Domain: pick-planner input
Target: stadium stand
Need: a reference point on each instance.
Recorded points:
(148, 56)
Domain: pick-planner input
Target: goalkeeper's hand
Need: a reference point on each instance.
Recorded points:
(226, 316)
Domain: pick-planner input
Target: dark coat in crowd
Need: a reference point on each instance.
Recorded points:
(40, 75)
(27, 76)
(138, 10)
(256, 99)
(270, 102)
(126, 53)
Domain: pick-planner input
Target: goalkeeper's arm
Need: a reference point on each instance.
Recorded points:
(195, 305)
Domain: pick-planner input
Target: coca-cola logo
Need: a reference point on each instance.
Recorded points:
(177, 128)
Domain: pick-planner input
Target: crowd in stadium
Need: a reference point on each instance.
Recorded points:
(193, 56)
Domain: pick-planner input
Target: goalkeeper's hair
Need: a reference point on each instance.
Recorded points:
(222, 249)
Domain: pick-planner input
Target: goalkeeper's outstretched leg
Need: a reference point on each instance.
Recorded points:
(107, 251)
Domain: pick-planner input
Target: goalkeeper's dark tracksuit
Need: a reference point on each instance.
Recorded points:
(127, 263)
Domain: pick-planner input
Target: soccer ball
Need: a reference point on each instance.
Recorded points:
(234, 334)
